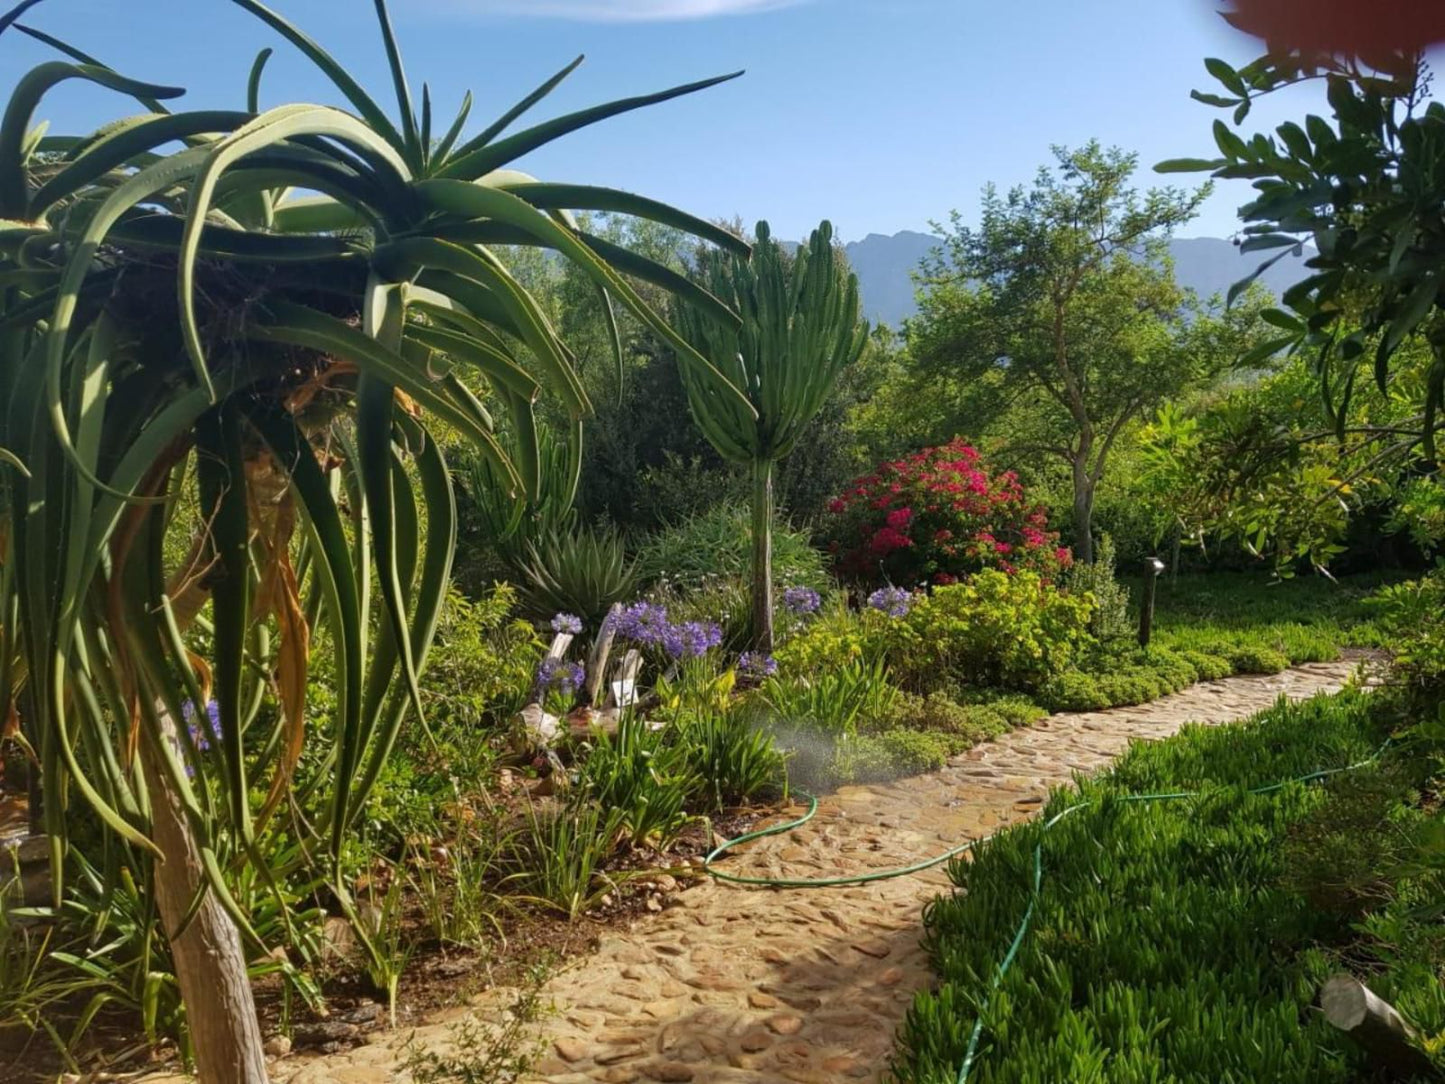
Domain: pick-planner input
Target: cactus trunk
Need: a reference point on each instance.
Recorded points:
(763, 554)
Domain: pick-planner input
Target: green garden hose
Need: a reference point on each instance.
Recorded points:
(928, 863)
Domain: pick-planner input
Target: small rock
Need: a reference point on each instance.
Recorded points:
(875, 948)
(364, 1013)
(754, 1041)
(278, 1046)
(892, 977)
(654, 904)
(570, 1049)
(327, 1033)
(785, 1023)
(759, 1000)
(674, 1072)
(667, 882)
(621, 1053)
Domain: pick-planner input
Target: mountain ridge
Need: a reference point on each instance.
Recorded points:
(884, 264)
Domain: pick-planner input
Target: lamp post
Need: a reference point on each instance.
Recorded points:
(1152, 567)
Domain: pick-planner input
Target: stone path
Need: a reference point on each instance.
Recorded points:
(733, 984)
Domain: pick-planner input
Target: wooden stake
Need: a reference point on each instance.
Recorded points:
(1372, 1022)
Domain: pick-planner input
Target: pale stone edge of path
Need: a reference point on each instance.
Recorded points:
(811, 986)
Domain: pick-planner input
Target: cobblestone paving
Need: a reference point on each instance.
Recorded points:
(734, 984)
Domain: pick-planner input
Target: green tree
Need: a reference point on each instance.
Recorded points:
(800, 329)
(1367, 189)
(1060, 313)
(194, 360)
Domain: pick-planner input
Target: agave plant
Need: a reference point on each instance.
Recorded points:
(227, 338)
(800, 329)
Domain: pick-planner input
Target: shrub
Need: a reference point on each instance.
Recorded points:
(636, 775)
(582, 572)
(1116, 679)
(964, 725)
(839, 636)
(1207, 666)
(1161, 944)
(1110, 619)
(717, 543)
(875, 758)
(730, 759)
(936, 517)
(996, 629)
(836, 702)
(1256, 659)
(1412, 615)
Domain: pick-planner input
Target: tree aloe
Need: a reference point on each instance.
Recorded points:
(226, 340)
(800, 329)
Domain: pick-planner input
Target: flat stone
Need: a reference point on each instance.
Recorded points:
(570, 1049)
(875, 947)
(759, 1000)
(618, 1053)
(672, 1072)
(892, 977)
(785, 1023)
(756, 1040)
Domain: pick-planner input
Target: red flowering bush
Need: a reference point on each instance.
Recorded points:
(936, 517)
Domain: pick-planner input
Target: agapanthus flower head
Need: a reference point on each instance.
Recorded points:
(642, 622)
(893, 601)
(568, 623)
(802, 600)
(755, 664)
(204, 727)
(566, 677)
(691, 639)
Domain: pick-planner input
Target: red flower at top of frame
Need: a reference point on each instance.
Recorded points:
(1342, 26)
(1064, 555)
(900, 517)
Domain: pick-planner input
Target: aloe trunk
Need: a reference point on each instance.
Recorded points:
(800, 329)
(763, 554)
(206, 947)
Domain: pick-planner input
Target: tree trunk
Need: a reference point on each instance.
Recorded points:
(763, 555)
(1083, 511)
(210, 967)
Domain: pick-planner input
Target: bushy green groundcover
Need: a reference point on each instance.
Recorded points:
(1183, 941)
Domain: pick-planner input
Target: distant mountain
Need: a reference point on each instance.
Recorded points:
(1208, 265)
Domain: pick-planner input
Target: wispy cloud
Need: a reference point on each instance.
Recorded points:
(615, 11)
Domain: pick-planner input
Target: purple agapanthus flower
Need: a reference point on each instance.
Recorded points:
(691, 639)
(802, 600)
(205, 730)
(566, 677)
(642, 623)
(755, 664)
(893, 601)
(569, 623)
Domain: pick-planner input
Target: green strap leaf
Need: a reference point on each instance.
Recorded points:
(479, 157)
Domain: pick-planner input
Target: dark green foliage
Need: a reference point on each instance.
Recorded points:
(731, 759)
(638, 775)
(1110, 619)
(717, 543)
(1163, 945)
(1254, 659)
(875, 758)
(580, 572)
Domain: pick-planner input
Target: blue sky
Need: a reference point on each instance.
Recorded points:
(878, 114)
